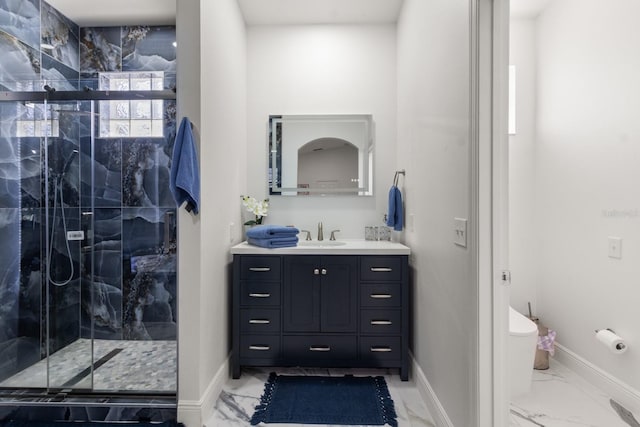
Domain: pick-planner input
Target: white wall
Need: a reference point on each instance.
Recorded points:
(433, 147)
(212, 92)
(586, 160)
(323, 69)
(522, 235)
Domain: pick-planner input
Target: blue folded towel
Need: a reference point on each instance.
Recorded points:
(267, 231)
(185, 174)
(274, 242)
(394, 217)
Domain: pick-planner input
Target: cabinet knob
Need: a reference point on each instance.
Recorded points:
(316, 271)
(324, 271)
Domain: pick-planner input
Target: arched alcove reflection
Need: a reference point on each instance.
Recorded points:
(328, 163)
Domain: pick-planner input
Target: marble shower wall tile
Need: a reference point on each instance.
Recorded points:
(20, 65)
(102, 299)
(107, 166)
(61, 35)
(9, 280)
(145, 173)
(58, 75)
(100, 50)
(149, 49)
(30, 183)
(22, 20)
(149, 273)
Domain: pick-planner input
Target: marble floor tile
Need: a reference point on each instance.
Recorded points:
(238, 399)
(561, 398)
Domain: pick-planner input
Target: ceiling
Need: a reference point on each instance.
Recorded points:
(261, 12)
(94, 13)
(527, 8)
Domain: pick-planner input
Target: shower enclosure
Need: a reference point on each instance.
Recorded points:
(88, 240)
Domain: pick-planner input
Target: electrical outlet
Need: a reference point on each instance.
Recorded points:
(615, 247)
(460, 229)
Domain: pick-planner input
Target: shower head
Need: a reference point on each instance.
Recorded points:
(67, 164)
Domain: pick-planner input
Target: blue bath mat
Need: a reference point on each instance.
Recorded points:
(344, 400)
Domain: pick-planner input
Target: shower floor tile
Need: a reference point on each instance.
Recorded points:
(118, 365)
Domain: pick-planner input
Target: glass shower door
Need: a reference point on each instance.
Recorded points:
(69, 246)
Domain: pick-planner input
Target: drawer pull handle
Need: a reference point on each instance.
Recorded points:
(381, 269)
(260, 269)
(259, 321)
(260, 295)
(380, 296)
(260, 347)
(317, 348)
(380, 349)
(381, 322)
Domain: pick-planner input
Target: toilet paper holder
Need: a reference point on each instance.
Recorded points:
(619, 346)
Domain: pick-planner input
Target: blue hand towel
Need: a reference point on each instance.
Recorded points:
(185, 174)
(274, 242)
(268, 231)
(394, 217)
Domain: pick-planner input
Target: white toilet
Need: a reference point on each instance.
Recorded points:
(523, 340)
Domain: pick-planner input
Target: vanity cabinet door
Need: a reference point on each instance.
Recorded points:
(320, 294)
(301, 309)
(338, 293)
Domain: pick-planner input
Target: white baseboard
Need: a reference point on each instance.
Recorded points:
(429, 396)
(619, 391)
(195, 413)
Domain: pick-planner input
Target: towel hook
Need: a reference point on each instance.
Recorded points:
(397, 175)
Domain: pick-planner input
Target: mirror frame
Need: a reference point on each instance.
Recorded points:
(365, 162)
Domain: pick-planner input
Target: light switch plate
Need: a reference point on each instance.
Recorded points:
(460, 230)
(411, 222)
(615, 247)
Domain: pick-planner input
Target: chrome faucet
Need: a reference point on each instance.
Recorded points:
(320, 236)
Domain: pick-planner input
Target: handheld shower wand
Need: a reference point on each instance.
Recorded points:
(59, 196)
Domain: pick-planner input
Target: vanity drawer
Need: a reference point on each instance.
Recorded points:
(260, 268)
(320, 347)
(380, 268)
(387, 322)
(261, 320)
(259, 294)
(260, 346)
(380, 295)
(380, 348)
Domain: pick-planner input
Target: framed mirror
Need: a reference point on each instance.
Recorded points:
(321, 155)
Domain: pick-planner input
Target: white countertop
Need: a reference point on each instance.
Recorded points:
(338, 247)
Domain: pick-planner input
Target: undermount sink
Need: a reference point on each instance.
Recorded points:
(321, 243)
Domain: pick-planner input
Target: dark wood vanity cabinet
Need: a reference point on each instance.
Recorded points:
(321, 311)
